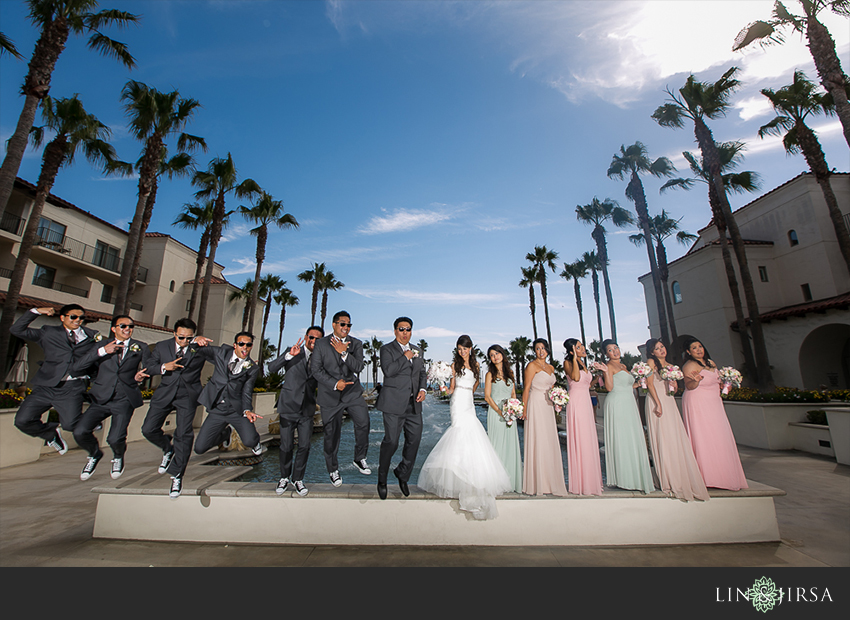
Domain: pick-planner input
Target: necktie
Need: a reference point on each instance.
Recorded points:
(231, 366)
(123, 350)
(181, 352)
(72, 338)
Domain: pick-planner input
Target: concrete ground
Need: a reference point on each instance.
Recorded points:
(47, 517)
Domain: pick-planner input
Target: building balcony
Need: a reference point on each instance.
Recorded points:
(64, 288)
(12, 223)
(84, 252)
(5, 273)
(133, 304)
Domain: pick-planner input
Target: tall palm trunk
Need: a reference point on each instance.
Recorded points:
(215, 237)
(52, 160)
(262, 238)
(639, 196)
(199, 266)
(813, 153)
(711, 157)
(50, 45)
(595, 279)
(822, 47)
(598, 235)
(137, 257)
(533, 307)
(579, 307)
(664, 274)
(544, 294)
(324, 307)
(263, 332)
(282, 321)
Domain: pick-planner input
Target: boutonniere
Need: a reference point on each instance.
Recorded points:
(98, 337)
(134, 348)
(415, 353)
(247, 364)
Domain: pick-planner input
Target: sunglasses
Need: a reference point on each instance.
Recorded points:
(312, 337)
(245, 344)
(184, 337)
(125, 326)
(74, 317)
(344, 324)
(405, 329)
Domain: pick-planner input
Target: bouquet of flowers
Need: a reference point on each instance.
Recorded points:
(671, 374)
(511, 410)
(598, 376)
(729, 378)
(559, 397)
(640, 372)
(440, 372)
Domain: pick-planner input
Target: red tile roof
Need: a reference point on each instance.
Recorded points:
(839, 302)
(214, 280)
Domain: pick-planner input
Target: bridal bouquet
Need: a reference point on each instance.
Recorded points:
(671, 374)
(640, 372)
(511, 410)
(730, 378)
(559, 397)
(440, 372)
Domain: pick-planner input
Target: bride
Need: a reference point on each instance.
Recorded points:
(463, 464)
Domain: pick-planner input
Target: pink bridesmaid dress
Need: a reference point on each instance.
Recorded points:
(544, 467)
(711, 436)
(583, 466)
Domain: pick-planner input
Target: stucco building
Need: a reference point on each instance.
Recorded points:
(801, 281)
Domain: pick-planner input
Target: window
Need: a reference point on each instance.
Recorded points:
(792, 238)
(763, 274)
(188, 303)
(106, 295)
(171, 287)
(677, 293)
(166, 321)
(44, 276)
(807, 292)
(106, 256)
(50, 231)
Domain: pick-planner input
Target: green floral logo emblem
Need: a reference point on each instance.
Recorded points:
(764, 594)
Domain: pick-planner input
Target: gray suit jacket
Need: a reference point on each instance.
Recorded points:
(402, 378)
(327, 367)
(59, 354)
(235, 390)
(189, 377)
(116, 377)
(298, 393)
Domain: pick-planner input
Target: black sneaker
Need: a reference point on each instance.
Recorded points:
(281, 486)
(362, 467)
(88, 468)
(117, 467)
(166, 461)
(336, 479)
(176, 487)
(259, 449)
(58, 444)
(300, 488)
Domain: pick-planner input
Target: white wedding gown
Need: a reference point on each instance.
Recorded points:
(463, 464)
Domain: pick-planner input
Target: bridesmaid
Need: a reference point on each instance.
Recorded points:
(544, 466)
(626, 458)
(705, 419)
(585, 472)
(674, 460)
(500, 385)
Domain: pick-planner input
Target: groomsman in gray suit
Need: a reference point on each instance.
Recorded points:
(115, 392)
(179, 360)
(296, 406)
(400, 401)
(336, 363)
(54, 385)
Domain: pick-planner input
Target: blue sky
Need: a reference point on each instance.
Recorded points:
(426, 147)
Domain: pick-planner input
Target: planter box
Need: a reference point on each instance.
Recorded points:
(16, 447)
(812, 438)
(766, 425)
(839, 430)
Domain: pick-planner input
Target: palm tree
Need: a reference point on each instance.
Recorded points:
(541, 258)
(75, 130)
(154, 116)
(423, 345)
(633, 161)
(285, 298)
(57, 19)
(820, 44)
(519, 348)
(698, 101)
(575, 271)
(269, 285)
(243, 296)
(328, 282)
(313, 275)
(375, 348)
(591, 260)
(6, 45)
(597, 213)
(194, 216)
(794, 103)
(661, 227)
(529, 277)
(266, 210)
(219, 180)
(737, 182)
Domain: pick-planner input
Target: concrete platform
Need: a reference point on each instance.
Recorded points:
(213, 508)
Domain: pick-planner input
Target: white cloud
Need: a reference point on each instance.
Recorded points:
(403, 220)
(438, 297)
(234, 232)
(753, 107)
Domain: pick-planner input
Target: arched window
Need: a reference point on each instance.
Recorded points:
(171, 287)
(677, 293)
(792, 237)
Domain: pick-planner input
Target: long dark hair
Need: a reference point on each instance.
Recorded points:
(687, 357)
(545, 344)
(569, 343)
(507, 373)
(604, 346)
(650, 347)
(465, 341)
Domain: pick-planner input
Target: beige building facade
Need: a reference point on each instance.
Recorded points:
(801, 281)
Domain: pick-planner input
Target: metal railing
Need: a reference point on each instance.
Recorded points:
(12, 223)
(5, 273)
(65, 288)
(133, 304)
(847, 220)
(100, 257)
